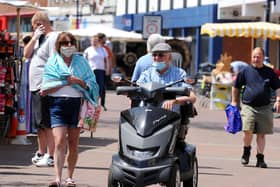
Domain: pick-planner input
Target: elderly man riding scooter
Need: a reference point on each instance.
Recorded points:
(164, 72)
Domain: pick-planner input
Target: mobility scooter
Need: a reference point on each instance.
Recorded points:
(149, 149)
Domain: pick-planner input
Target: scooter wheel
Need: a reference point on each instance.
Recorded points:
(193, 182)
(175, 177)
(114, 183)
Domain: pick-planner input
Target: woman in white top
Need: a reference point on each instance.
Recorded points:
(98, 59)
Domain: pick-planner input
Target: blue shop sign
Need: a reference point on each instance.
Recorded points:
(127, 22)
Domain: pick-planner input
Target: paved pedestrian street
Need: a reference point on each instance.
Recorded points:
(218, 154)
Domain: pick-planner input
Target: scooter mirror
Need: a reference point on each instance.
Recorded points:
(117, 77)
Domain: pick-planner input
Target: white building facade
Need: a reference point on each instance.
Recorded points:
(184, 18)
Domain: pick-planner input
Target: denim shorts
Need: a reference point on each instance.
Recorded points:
(64, 111)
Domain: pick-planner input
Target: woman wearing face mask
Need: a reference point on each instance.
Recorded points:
(67, 79)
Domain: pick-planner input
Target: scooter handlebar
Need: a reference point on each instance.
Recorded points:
(125, 90)
(178, 90)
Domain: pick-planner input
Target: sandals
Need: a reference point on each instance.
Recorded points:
(54, 184)
(70, 182)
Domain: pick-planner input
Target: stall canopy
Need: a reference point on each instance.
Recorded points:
(244, 29)
(18, 5)
(109, 32)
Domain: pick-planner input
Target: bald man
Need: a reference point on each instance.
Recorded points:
(256, 109)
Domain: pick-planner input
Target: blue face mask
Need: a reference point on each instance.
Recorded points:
(159, 65)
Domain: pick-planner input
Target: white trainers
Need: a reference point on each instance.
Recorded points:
(46, 161)
(36, 158)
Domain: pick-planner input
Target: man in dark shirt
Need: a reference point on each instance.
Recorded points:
(257, 116)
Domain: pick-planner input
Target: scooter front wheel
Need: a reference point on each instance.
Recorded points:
(193, 182)
(175, 177)
(114, 183)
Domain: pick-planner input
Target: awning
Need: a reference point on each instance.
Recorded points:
(244, 29)
(18, 5)
(109, 32)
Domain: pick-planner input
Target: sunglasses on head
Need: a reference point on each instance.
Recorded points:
(158, 54)
(66, 42)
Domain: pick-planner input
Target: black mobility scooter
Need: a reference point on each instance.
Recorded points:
(149, 149)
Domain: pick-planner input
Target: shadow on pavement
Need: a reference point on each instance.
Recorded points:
(96, 141)
(218, 126)
(92, 168)
(16, 155)
(22, 174)
(268, 167)
(208, 167)
(20, 155)
(219, 174)
(12, 184)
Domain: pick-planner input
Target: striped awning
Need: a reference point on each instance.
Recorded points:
(244, 29)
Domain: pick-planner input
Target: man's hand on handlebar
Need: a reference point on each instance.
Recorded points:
(168, 104)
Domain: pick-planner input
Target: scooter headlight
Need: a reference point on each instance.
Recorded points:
(142, 154)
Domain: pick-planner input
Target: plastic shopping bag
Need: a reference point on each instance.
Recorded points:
(234, 122)
(89, 116)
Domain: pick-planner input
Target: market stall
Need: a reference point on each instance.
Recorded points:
(221, 92)
(11, 115)
(242, 29)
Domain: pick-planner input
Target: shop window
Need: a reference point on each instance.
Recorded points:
(178, 4)
(153, 5)
(165, 32)
(177, 32)
(165, 5)
(204, 46)
(142, 6)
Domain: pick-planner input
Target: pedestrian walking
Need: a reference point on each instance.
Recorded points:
(98, 60)
(102, 40)
(39, 49)
(144, 62)
(256, 80)
(67, 79)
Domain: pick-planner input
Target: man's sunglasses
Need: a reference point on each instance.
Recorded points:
(159, 54)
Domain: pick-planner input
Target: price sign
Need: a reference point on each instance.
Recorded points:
(151, 25)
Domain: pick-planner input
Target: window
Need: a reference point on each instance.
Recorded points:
(177, 32)
(142, 5)
(192, 3)
(131, 7)
(204, 49)
(178, 4)
(121, 6)
(165, 5)
(153, 5)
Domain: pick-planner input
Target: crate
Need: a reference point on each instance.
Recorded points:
(220, 96)
(4, 126)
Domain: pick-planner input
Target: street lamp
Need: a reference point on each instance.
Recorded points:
(267, 19)
(77, 14)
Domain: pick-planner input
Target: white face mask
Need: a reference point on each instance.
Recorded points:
(67, 51)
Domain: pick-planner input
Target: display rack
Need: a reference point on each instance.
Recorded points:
(8, 68)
